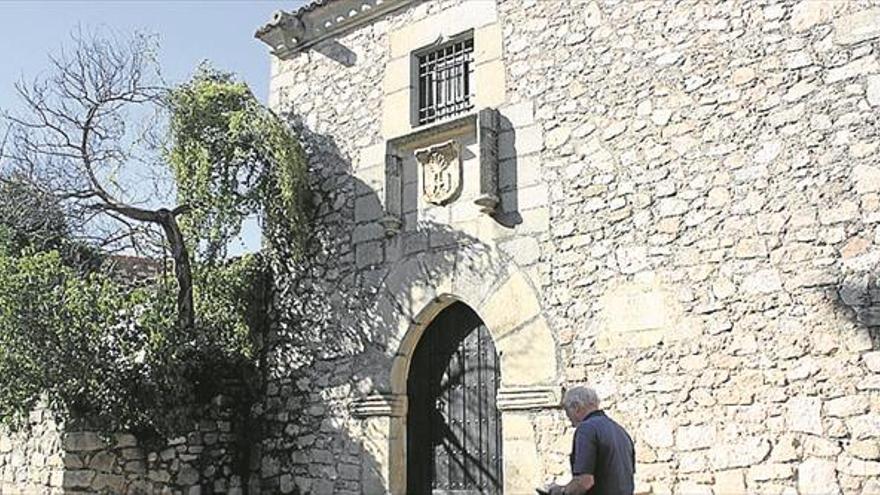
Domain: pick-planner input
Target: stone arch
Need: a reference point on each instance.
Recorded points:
(415, 291)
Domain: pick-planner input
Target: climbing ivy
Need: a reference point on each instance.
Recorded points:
(232, 157)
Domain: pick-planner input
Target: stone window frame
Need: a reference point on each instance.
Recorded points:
(400, 84)
(416, 93)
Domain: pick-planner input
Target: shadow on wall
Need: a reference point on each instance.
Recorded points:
(336, 323)
(508, 215)
(859, 295)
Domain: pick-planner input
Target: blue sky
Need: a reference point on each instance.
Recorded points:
(189, 32)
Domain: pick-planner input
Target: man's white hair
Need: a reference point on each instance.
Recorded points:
(580, 397)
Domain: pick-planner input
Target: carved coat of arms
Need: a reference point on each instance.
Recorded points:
(441, 172)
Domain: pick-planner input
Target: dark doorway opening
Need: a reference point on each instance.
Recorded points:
(453, 424)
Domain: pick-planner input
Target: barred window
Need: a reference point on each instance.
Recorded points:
(446, 85)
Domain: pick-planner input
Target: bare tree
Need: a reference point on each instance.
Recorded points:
(75, 139)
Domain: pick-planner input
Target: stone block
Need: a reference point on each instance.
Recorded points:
(864, 449)
(78, 479)
(695, 437)
(872, 91)
(187, 475)
(488, 43)
(510, 306)
(768, 472)
(804, 415)
(730, 482)
(519, 115)
(83, 442)
(742, 452)
(492, 90)
(528, 355)
(866, 178)
(872, 361)
(850, 405)
(657, 433)
(817, 476)
(396, 114)
(864, 426)
(859, 67)
(103, 462)
(857, 27)
(367, 209)
(398, 76)
(762, 282)
(809, 13)
(522, 472)
(523, 250)
(853, 466)
(368, 254)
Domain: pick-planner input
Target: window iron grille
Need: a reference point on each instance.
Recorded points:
(446, 85)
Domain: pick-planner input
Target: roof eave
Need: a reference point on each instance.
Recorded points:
(288, 33)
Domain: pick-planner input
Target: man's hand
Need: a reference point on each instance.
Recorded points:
(579, 485)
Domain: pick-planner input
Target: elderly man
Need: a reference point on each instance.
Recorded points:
(603, 455)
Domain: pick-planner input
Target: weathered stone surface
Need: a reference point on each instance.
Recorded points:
(731, 481)
(695, 437)
(850, 405)
(872, 90)
(743, 452)
(866, 178)
(872, 361)
(864, 426)
(817, 476)
(859, 67)
(762, 282)
(809, 13)
(78, 479)
(857, 27)
(658, 433)
(188, 475)
(865, 449)
(83, 442)
(857, 467)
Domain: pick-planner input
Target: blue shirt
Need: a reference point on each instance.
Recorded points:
(605, 450)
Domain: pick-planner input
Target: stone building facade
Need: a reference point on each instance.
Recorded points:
(676, 202)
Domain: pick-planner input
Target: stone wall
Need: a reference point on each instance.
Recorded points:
(48, 458)
(32, 462)
(692, 189)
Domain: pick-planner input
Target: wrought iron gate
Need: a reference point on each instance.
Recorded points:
(453, 424)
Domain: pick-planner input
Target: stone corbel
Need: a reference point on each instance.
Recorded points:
(528, 398)
(393, 219)
(487, 138)
(380, 404)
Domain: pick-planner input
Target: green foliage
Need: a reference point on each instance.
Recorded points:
(232, 157)
(85, 342)
(113, 353)
(98, 350)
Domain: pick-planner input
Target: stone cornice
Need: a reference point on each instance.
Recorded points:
(379, 404)
(528, 398)
(290, 32)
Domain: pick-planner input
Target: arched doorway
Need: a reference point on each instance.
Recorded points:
(454, 439)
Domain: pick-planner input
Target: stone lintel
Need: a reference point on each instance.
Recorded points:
(435, 133)
(288, 33)
(380, 404)
(523, 398)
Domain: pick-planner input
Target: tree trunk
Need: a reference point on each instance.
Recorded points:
(182, 269)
